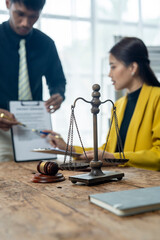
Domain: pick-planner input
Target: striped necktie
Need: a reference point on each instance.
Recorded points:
(24, 91)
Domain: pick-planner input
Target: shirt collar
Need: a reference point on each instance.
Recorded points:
(13, 35)
(134, 94)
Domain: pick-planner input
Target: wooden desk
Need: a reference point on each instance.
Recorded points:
(34, 211)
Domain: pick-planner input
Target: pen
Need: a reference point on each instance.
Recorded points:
(2, 115)
(47, 133)
(39, 131)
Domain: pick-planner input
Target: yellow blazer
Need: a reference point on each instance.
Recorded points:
(142, 144)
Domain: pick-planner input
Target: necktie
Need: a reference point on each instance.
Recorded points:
(24, 91)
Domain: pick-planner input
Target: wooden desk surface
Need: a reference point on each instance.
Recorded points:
(62, 210)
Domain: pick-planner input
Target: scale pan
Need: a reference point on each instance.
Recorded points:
(74, 166)
(116, 161)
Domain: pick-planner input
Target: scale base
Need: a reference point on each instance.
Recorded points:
(42, 178)
(89, 179)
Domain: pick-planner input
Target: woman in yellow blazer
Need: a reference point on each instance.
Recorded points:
(142, 143)
(138, 112)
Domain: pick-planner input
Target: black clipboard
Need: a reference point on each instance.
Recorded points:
(34, 115)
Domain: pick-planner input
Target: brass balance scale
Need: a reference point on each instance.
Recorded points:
(96, 175)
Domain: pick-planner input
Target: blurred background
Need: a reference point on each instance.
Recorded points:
(84, 31)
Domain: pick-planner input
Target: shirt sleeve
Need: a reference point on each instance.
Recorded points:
(54, 72)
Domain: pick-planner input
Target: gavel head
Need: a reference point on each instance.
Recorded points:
(47, 168)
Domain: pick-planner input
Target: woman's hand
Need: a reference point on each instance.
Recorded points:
(90, 156)
(55, 139)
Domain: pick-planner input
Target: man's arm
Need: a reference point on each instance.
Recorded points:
(55, 78)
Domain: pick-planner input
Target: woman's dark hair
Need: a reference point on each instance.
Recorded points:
(35, 5)
(132, 49)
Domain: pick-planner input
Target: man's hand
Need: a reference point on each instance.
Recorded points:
(7, 120)
(53, 103)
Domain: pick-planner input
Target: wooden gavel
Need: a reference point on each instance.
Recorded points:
(47, 173)
(51, 168)
(47, 168)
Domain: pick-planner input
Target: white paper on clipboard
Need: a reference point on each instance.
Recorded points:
(35, 116)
